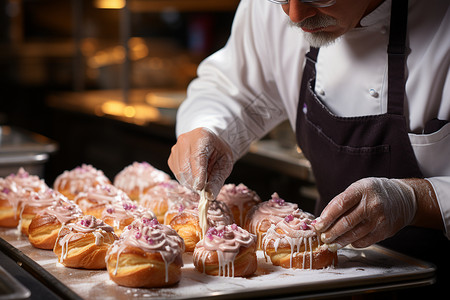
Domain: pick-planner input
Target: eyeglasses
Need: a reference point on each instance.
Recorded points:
(314, 3)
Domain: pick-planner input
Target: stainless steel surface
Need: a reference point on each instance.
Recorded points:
(21, 148)
(14, 140)
(10, 288)
(358, 271)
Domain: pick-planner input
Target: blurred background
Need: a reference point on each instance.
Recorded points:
(99, 82)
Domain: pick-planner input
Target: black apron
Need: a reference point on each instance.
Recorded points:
(343, 150)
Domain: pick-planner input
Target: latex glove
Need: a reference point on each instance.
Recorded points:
(368, 211)
(201, 160)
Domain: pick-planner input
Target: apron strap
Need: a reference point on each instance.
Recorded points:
(397, 56)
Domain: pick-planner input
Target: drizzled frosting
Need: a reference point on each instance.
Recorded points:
(63, 210)
(238, 195)
(80, 179)
(100, 195)
(270, 212)
(139, 175)
(161, 196)
(122, 211)
(227, 242)
(293, 232)
(86, 224)
(15, 188)
(23, 180)
(150, 236)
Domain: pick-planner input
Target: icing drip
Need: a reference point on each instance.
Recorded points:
(150, 236)
(80, 179)
(86, 224)
(226, 241)
(100, 195)
(166, 194)
(294, 232)
(203, 205)
(139, 175)
(64, 210)
(271, 212)
(121, 211)
(238, 196)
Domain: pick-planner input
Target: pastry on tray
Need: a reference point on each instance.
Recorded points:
(14, 190)
(138, 177)
(259, 219)
(79, 179)
(120, 214)
(83, 244)
(163, 195)
(44, 227)
(294, 243)
(94, 200)
(240, 199)
(187, 223)
(227, 251)
(148, 254)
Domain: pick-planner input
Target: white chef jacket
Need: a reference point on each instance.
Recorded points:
(253, 83)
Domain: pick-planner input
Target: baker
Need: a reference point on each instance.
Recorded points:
(364, 83)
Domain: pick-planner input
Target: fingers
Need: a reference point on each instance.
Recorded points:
(201, 160)
(339, 206)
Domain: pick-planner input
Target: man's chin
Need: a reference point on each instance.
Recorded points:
(319, 39)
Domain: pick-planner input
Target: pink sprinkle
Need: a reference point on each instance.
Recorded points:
(209, 236)
(6, 190)
(154, 222)
(82, 222)
(234, 227)
(289, 218)
(138, 235)
(304, 226)
(87, 223)
(110, 210)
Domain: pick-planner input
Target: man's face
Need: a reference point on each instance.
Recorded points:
(323, 25)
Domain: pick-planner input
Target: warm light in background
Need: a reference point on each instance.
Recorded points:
(110, 4)
(140, 113)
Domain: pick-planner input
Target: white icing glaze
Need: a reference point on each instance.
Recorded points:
(238, 196)
(139, 175)
(293, 232)
(80, 179)
(150, 236)
(226, 241)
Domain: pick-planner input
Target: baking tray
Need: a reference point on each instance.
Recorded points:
(371, 269)
(10, 288)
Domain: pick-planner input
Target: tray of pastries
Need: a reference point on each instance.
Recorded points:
(139, 235)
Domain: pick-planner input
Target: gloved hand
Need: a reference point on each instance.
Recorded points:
(200, 159)
(368, 211)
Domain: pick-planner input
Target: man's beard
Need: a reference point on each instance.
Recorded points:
(320, 38)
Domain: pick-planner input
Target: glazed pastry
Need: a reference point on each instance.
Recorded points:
(137, 178)
(164, 194)
(294, 243)
(259, 219)
(14, 190)
(94, 200)
(187, 224)
(44, 227)
(79, 179)
(228, 251)
(178, 206)
(83, 244)
(33, 204)
(148, 254)
(240, 199)
(120, 214)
